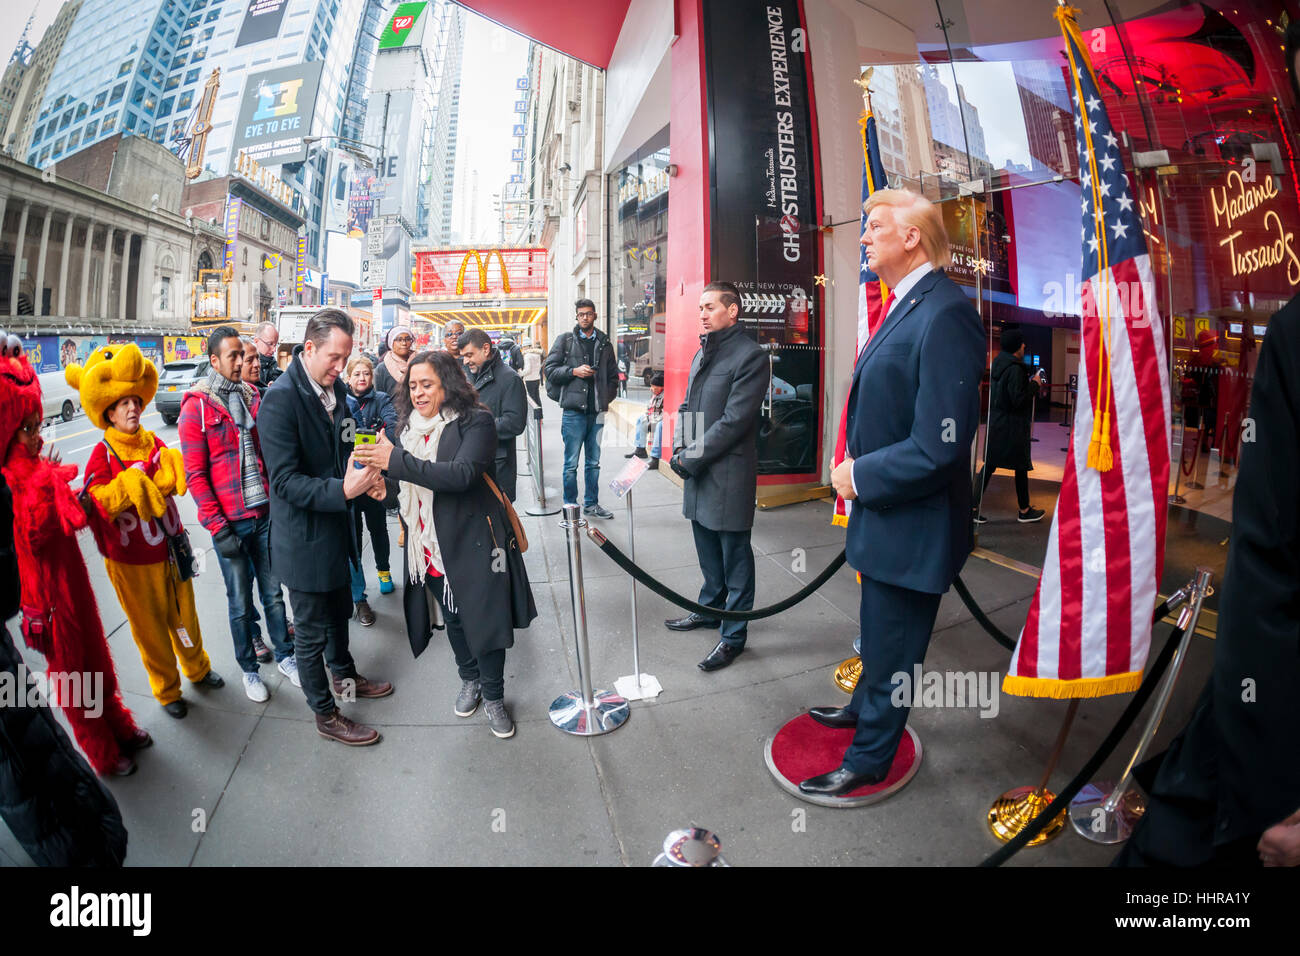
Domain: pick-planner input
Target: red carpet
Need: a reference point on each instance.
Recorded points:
(804, 748)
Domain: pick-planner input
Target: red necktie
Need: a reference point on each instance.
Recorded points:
(880, 316)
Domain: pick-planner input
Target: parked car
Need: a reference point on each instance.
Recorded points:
(61, 400)
(175, 381)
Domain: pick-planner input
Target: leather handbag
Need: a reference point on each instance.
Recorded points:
(522, 607)
(513, 515)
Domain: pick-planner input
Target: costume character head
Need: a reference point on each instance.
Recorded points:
(111, 373)
(20, 389)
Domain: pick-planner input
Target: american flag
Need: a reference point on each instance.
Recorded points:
(1089, 626)
(871, 291)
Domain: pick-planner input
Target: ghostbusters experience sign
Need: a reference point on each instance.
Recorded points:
(764, 218)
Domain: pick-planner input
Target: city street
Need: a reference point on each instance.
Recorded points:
(238, 783)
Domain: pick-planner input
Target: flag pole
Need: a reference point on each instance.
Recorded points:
(1017, 808)
(849, 670)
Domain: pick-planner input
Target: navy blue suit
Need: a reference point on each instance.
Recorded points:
(912, 413)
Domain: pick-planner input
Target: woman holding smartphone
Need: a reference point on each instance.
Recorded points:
(455, 527)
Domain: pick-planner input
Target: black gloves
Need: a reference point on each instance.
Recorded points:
(228, 544)
(675, 463)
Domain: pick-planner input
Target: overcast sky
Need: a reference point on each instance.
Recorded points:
(494, 58)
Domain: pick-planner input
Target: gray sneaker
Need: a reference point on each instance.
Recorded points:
(468, 698)
(500, 722)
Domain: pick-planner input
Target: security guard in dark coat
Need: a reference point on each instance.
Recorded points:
(1227, 791)
(1011, 404)
(715, 452)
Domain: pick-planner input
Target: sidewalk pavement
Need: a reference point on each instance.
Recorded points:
(239, 783)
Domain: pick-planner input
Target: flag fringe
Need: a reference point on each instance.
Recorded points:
(1051, 687)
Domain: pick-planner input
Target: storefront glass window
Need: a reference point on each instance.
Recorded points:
(638, 217)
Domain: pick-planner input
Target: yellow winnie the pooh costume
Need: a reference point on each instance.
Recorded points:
(132, 477)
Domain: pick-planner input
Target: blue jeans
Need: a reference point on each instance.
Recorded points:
(358, 582)
(580, 430)
(254, 534)
(655, 446)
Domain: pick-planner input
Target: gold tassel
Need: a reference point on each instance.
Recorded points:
(1100, 456)
(1066, 689)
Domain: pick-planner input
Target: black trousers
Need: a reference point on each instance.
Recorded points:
(489, 668)
(320, 637)
(895, 625)
(1022, 485)
(727, 561)
(376, 516)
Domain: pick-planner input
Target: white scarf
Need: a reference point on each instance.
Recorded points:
(416, 501)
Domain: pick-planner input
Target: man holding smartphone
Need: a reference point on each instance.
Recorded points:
(305, 429)
(1011, 402)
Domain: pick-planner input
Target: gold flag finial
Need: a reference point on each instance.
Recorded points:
(864, 82)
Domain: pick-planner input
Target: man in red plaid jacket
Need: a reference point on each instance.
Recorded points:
(227, 477)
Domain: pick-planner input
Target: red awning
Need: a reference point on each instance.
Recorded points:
(584, 29)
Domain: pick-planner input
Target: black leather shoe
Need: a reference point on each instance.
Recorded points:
(690, 622)
(839, 782)
(720, 657)
(837, 717)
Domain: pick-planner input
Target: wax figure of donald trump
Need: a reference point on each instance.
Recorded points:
(912, 412)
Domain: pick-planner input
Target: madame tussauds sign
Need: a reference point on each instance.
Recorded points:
(1242, 207)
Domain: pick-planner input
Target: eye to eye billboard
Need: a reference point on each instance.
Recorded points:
(262, 21)
(405, 27)
(275, 114)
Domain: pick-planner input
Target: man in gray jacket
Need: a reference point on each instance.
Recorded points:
(715, 451)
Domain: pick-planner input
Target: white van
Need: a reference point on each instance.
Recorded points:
(61, 400)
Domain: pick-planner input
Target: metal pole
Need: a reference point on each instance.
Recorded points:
(533, 435)
(584, 712)
(1176, 498)
(1107, 814)
(631, 553)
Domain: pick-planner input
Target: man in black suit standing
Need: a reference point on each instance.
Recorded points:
(715, 452)
(912, 413)
(501, 389)
(307, 442)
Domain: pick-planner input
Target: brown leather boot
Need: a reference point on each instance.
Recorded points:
(363, 688)
(337, 727)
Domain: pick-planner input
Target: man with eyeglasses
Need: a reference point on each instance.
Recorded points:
(266, 340)
(582, 375)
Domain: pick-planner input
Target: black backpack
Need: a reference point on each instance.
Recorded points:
(553, 389)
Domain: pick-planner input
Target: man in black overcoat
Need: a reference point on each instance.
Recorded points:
(307, 438)
(1227, 791)
(1011, 403)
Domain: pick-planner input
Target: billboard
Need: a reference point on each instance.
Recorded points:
(180, 348)
(262, 21)
(43, 352)
(366, 193)
(343, 257)
(405, 27)
(275, 114)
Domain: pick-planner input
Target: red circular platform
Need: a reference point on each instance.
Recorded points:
(804, 748)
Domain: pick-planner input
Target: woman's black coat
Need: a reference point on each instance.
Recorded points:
(1011, 402)
(470, 524)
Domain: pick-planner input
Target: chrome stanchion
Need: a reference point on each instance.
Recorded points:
(1177, 498)
(533, 440)
(583, 712)
(631, 552)
(692, 846)
(1107, 813)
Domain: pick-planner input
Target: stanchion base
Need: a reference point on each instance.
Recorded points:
(1177, 500)
(608, 712)
(1091, 820)
(847, 673)
(804, 748)
(539, 511)
(1016, 809)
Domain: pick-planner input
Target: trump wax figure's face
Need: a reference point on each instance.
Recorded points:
(893, 246)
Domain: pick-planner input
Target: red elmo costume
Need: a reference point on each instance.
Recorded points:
(60, 617)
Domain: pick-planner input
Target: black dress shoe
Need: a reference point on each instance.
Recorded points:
(720, 656)
(839, 782)
(837, 717)
(690, 622)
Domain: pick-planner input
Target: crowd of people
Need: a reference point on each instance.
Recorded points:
(290, 463)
